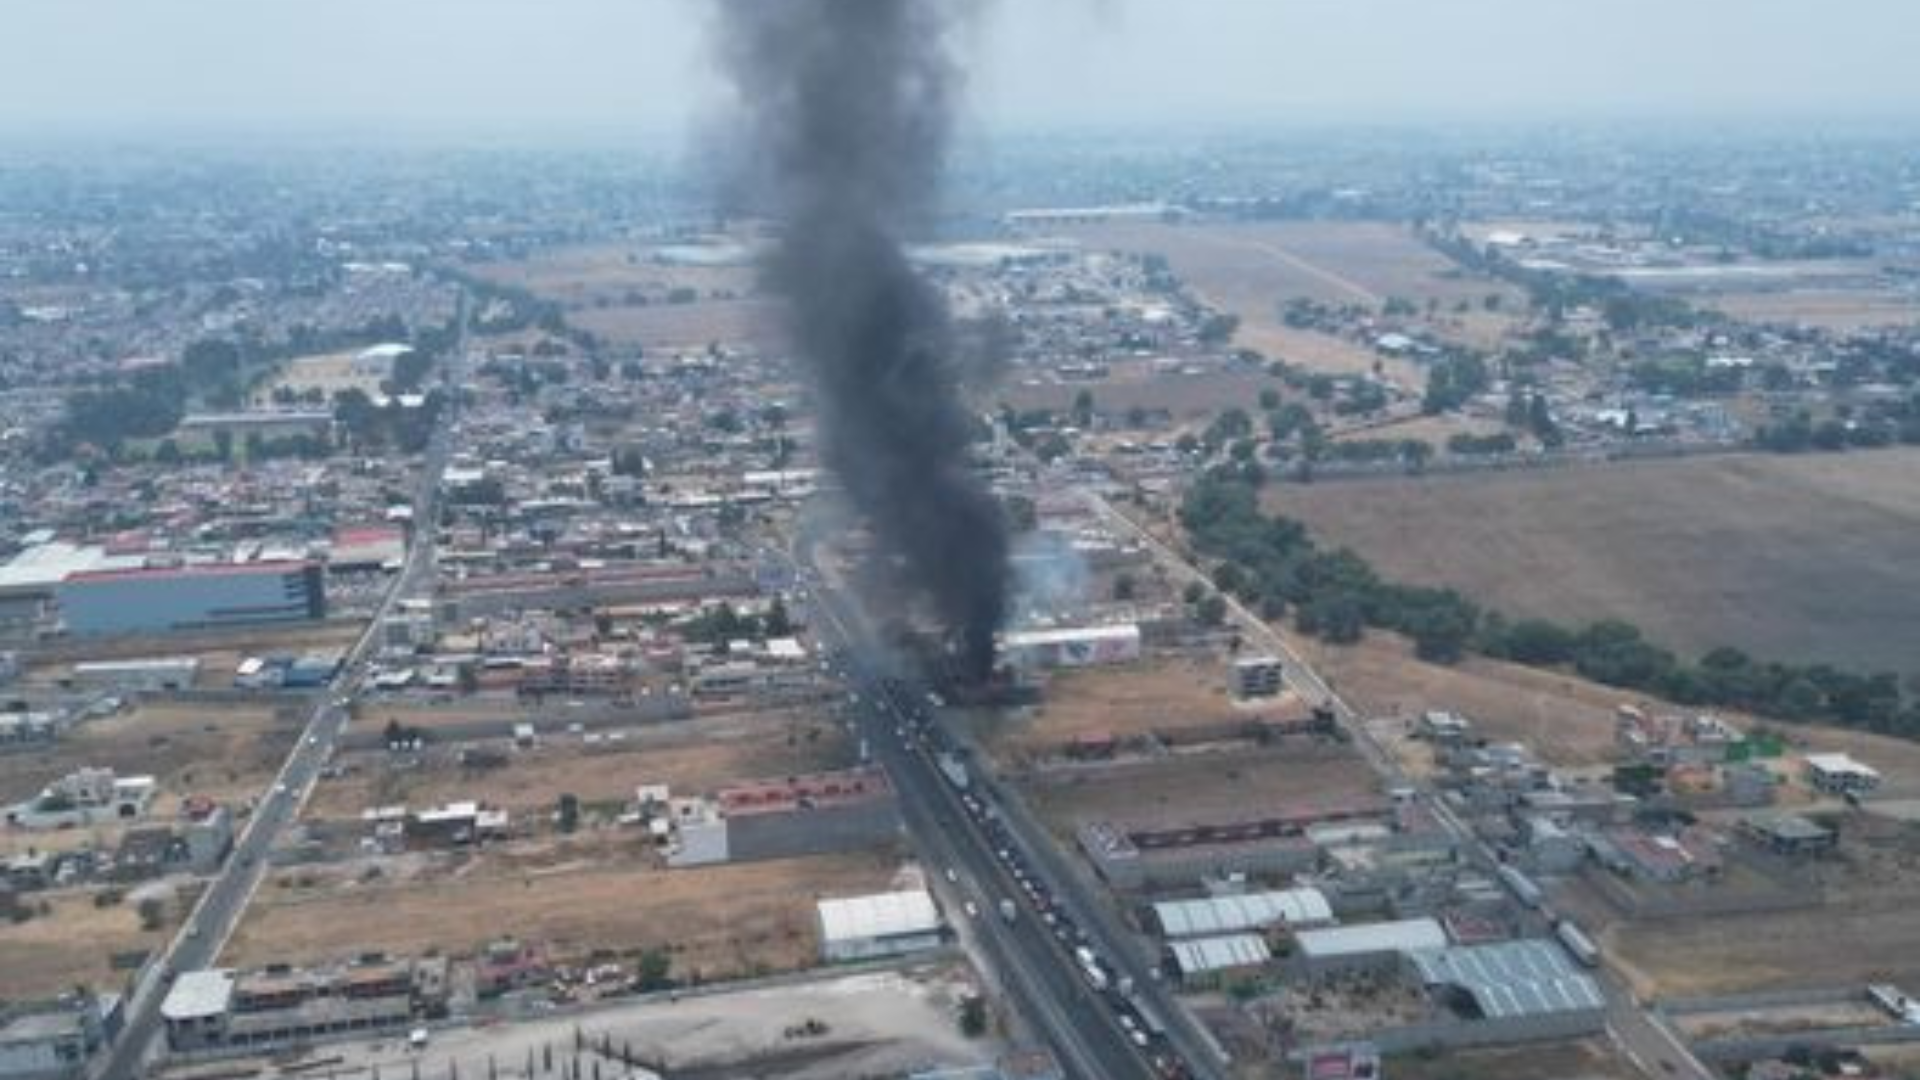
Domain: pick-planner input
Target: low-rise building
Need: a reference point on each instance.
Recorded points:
(877, 925)
(55, 1040)
(1840, 774)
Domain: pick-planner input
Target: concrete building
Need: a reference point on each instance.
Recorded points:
(192, 597)
(881, 924)
(1789, 834)
(55, 1040)
(85, 797)
(1840, 774)
(1258, 677)
(223, 1009)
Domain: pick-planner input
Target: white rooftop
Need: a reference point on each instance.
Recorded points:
(1066, 635)
(1227, 914)
(1840, 764)
(1198, 956)
(1406, 935)
(880, 915)
(198, 994)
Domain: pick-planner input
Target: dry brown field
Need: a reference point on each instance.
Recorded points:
(1187, 397)
(1157, 695)
(691, 757)
(717, 921)
(72, 945)
(227, 752)
(1841, 310)
(1790, 558)
(1589, 1059)
(1201, 786)
(598, 284)
(1251, 269)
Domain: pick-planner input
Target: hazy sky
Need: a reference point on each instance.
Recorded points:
(514, 66)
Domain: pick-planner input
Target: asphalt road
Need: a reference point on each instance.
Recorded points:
(1653, 1046)
(211, 922)
(963, 847)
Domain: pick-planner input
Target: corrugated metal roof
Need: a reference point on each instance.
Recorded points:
(1407, 935)
(894, 914)
(1228, 914)
(1511, 978)
(1197, 956)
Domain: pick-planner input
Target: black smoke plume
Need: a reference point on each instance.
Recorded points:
(849, 104)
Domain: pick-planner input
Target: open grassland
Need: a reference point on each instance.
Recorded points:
(1793, 558)
(716, 921)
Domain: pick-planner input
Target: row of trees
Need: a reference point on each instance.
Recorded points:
(1272, 563)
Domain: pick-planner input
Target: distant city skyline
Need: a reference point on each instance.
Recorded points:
(571, 67)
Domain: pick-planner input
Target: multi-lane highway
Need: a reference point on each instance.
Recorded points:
(1103, 1012)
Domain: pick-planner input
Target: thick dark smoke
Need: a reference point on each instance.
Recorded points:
(849, 106)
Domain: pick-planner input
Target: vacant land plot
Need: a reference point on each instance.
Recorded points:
(691, 757)
(73, 944)
(1143, 386)
(715, 921)
(1158, 696)
(691, 326)
(1254, 269)
(1789, 558)
(1872, 938)
(636, 295)
(1840, 310)
(226, 752)
(1591, 1059)
(1202, 786)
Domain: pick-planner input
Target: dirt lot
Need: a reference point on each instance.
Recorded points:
(1871, 938)
(1592, 1059)
(1251, 269)
(1201, 786)
(691, 757)
(601, 287)
(226, 752)
(1832, 310)
(1159, 695)
(71, 945)
(716, 921)
(1794, 558)
(1129, 385)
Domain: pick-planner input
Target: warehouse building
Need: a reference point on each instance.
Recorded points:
(151, 676)
(1069, 647)
(192, 596)
(881, 924)
(1520, 989)
(1214, 961)
(1292, 908)
(1371, 945)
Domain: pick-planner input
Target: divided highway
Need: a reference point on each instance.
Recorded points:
(1114, 1025)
